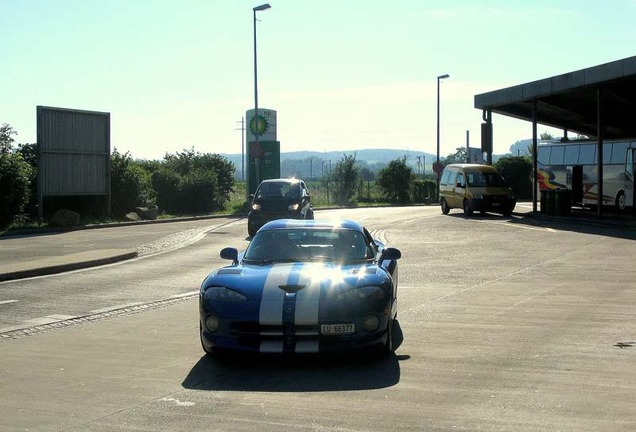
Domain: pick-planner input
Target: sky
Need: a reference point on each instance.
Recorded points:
(342, 75)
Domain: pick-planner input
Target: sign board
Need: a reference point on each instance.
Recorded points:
(73, 153)
(475, 155)
(262, 126)
(438, 167)
(263, 162)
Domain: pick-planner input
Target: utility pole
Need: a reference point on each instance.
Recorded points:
(242, 129)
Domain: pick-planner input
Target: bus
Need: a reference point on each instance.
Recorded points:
(574, 166)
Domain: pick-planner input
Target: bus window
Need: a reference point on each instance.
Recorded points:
(571, 154)
(607, 153)
(556, 157)
(587, 154)
(618, 153)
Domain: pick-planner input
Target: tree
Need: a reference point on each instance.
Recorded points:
(517, 170)
(395, 180)
(15, 181)
(460, 156)
(545, 136)
(6, 140)
(344, 180)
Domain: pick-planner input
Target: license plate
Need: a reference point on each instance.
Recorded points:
(336, 329)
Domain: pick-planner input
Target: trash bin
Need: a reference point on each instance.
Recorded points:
(562, 202)
(548, 202)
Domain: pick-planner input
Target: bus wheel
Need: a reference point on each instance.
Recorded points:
(621, 201)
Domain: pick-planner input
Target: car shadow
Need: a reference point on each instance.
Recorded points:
(261, 373)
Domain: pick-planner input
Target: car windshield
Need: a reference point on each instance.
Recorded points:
(484, 179)
(302, 244)
(278, 190)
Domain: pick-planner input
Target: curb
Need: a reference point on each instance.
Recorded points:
(66, 263)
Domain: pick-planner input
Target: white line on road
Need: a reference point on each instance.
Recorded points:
(7, 301)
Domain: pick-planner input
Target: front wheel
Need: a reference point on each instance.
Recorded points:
(445, 207)
(310, 214)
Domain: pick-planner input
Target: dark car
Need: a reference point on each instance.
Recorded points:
(278, 199)
(303, 287)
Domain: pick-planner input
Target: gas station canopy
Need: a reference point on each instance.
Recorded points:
(571, 101)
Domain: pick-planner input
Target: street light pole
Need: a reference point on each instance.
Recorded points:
(255, 120)
(439, 78)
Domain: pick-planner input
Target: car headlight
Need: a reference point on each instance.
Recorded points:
(293, 207)
(478, 196)
(222, 294)
(256, 207)
(363, 293)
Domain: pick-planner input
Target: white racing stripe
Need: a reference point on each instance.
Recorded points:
(307, 304)
(271, 312)
(308, 301)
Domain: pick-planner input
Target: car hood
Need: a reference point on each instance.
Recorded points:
(294, 277)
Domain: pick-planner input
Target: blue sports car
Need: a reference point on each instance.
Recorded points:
(302, 286)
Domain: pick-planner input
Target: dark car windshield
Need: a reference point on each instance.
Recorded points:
(302, 244)
(278, 190)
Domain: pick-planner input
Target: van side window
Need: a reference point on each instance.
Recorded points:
(461, 181)
(445, 177)
(452, 178)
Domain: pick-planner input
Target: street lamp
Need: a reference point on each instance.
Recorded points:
(439, 78)
(255, 120)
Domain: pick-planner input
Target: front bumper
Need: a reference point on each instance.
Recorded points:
(500, 204)
(289, 340)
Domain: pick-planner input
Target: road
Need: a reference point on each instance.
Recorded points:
(510, 324)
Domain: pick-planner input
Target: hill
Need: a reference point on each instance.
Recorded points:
(312, 164)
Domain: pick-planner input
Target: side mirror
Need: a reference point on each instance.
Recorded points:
(390, 254)
(251, 197)
(458, 184)
(230, 253)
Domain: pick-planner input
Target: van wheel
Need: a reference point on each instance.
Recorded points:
(445, 207)
(621, 201)
(467, 210)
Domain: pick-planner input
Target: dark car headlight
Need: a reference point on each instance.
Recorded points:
(363, 293)
(222, 294)
(256, 207)
(293, 207)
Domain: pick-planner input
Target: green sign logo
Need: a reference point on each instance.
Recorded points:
(258, 125)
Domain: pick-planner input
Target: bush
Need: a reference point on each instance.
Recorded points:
(129, 185)
(15, 175)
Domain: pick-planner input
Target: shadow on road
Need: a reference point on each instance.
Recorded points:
(613, 224)
(247, 372)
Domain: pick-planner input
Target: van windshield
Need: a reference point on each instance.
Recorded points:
(484, 179)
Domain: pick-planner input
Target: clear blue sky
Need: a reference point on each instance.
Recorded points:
(341, 74)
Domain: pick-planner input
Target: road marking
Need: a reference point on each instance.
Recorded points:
(50, 319)
(8, 301)
(508, 224)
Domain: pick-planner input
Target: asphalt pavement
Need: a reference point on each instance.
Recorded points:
(31, 254)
